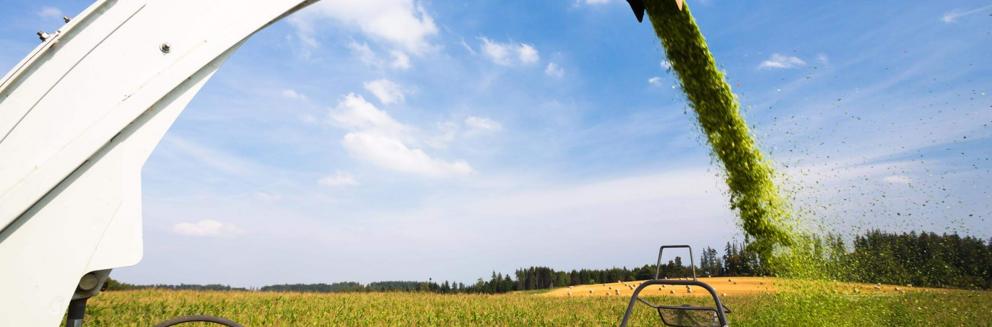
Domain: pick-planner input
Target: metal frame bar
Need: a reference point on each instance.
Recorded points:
(692, 261)
(719, 309)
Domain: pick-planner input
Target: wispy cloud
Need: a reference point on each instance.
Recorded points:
(292, 94)
(401, 23)
(364, 53)
(50, 12)
(665, 64)
(267, 196)
(780, 61)
(378, 139)
(388, 92)
(822, 58)
(554, 70)
(399, 60)
(509, 53)
(953, 15)
(399, 27)
(212, 158)
(452, 130)
(527, 54)
(354, 113)
(655, 81)
(206, 228)
(482, 124)
(393, 154)
(339, 179)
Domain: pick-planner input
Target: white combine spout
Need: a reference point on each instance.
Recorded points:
(78, 118)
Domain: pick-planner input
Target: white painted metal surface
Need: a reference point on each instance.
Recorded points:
(79, 117)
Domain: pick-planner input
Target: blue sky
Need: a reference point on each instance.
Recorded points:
(407, 139)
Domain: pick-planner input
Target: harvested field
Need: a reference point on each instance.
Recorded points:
(725, 286)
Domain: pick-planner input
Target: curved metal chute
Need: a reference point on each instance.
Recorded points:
(79, 117)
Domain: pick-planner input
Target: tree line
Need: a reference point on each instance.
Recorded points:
(924, 259)
(385, 286)
(115, 285)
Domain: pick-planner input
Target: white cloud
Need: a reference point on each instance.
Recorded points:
(953, 15)
(780, 61)
(468, 48)
(823, 59)
(497, 52)
(528, 54)
(451, 130)
(554, 70)
(392, 154)
(309, 42)
(364, 53)
(447, 132)
(354, 113)
(400, 61)
(377, 138)
(305, 31)
(403, 24)
(897, 179)
(292, 94)
(950, 17)
(397, 59)
(206, 228)
(655, 81)
(49, 12)
(481, 124)
(386, 91)
(308, 118)
(508, 54)
(211, 158)
(267, 196)
(666, 65)
(338, 179)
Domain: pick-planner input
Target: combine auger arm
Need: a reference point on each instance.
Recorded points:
(78, 118)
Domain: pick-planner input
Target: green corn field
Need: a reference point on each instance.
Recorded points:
(788, 308)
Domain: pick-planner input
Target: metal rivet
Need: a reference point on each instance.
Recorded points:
(165, 48)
